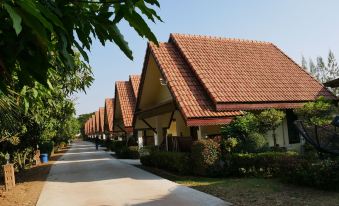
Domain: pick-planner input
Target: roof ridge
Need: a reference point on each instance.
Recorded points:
(177, 47)
(172, 35)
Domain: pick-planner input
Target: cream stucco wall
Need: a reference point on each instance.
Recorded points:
(282, 137)
(153, 92)
(182, 129)
(208, 130)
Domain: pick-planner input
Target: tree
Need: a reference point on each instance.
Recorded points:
(41, 114)
(82, 120)
(317, 113)
(33, 32)
(270, 119)
(324, 71)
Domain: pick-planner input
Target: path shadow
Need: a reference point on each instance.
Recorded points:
(181, 195)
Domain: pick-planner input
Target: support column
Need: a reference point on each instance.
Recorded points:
(140, 138)
(199, 133)
(159, 136)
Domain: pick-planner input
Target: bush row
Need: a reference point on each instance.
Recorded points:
(206, 160)
(131, 152)
(121, 149)
(320, 174)
(267, 164)
(177, 162)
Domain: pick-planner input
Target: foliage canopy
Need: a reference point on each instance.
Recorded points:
(35, 36)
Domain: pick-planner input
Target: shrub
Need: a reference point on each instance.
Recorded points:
(147, 150)
(321, 174)
(257, 164)
(130, 152)
(23, 158)
(255, 142)
(177, 162)
(116, 145)
(241, 126)
(3, 160)
(251, 128)
(229, 144)
(206, 157)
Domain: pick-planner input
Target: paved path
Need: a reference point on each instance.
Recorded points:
(83, 176)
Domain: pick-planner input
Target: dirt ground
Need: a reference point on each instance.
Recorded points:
(29, 184)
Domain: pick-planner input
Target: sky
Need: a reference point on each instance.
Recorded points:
(307, 28)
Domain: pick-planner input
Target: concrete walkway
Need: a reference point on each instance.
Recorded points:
(84, 176)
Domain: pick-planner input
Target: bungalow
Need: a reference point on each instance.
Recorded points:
(97, 123)
(108, 116)
(89, 128)
(93, 126)
(88, 133)
(192, 85)
(125, 98)
(101, 122)
(86, 128)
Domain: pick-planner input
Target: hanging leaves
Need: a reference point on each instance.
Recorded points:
(32, 32)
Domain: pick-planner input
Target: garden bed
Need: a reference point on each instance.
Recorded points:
(29, 184)
(253, 191)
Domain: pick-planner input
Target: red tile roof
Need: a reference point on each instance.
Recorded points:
(125, 93)
(88, 126)
(97, 121)
(211, 78)
(135, 81)
(242, 71)
(109, 111)
(93, 124)
(102, 118)
(188, 92)
(85, 127)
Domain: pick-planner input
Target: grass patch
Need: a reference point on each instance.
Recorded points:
(253, 191)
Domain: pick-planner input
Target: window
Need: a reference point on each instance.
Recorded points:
(293, 133)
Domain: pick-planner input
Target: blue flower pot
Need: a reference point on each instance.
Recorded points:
(44, 158)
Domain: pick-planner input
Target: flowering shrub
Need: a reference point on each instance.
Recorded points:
(206, 157)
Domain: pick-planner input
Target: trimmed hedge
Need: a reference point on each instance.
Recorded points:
(177, 162)
(115, 145)
(321, 174)
(256, 164)
(130, 152)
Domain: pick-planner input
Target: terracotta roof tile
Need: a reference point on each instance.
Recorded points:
(93, 124)
(89, 125)
(85, 127)
(102, 119)
(97, 121)
(124, 92)
(188, 92)
(242, 71)
(109, 110)
(135, 81)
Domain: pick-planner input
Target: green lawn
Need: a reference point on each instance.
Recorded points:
(254, 191)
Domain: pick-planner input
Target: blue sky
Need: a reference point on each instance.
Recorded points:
(298, 27)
